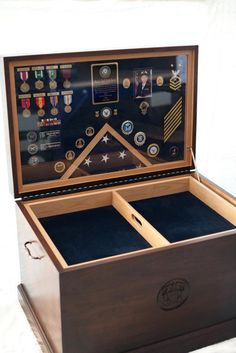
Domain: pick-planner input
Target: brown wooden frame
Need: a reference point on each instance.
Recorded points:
(190, 123)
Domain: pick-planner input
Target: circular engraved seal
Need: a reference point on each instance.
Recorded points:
(173, 294)
(105, 71)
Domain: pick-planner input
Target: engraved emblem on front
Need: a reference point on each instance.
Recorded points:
(173, 294)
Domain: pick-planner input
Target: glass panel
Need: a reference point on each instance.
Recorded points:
(87, 118)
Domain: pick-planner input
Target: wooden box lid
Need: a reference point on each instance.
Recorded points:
(83, 118)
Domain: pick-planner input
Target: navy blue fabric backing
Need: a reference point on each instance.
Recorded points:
(92, 234)
(181, 216)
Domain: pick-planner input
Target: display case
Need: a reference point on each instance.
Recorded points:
(123, 246)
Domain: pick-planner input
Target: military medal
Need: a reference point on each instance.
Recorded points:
(54, 102)
(39, 83)
(25, 102)
(127, 127)
(24, 87)
(140, 138)
(66, 73)
(40, 102)
(144, 107)
(153, 150)
(52, 73)
(68, 101)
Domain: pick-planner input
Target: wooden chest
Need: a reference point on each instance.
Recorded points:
(123, 246)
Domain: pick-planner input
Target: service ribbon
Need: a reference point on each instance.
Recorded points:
(25, 102)
(38, 74)
(52, 74)
(68, 99)
(54, 100)
(24, 75)
(40, 102)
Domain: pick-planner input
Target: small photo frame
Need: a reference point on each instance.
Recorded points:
(143, 83)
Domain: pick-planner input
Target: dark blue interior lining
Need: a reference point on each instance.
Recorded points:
(181, 216)
(92, 234)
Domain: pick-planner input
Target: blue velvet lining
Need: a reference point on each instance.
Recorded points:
(92, 234)
(181, 216)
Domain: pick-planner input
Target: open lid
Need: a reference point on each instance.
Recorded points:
(80, 118)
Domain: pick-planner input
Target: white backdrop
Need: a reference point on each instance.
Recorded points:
(28, 27)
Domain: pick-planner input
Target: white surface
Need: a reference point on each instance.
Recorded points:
(28, 27)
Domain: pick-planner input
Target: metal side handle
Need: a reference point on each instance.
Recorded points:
(27, 248)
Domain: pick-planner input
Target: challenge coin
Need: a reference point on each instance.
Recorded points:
(127, 127)
(33, 161)
(144, 107)
(153, 150)
(106, 112)
(70, 155)
(32, 136)
(140, 138)
(59, 167)
(90, 131)
(33, 148)
(79, 143)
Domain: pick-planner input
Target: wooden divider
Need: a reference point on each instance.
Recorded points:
(151, 235)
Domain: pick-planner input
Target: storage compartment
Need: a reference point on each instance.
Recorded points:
(92, 234)
(103, 224)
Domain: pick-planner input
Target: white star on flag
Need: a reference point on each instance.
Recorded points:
(105, 139)
(139, 166)
(87, 161)
(122, 154)
(105, 158)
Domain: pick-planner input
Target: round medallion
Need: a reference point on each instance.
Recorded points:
(127, 127)
(53, 84)
(24, 87)
(32, 136)
(39, 84)
(173, 294)
(126, 83)
(67, 84)
(54, 111)
(70, 155)
(26, 113)
(106, 112)
(174, 151)
(59, 167)
(41, 112)
(105, 71)
(67, 109)
(79, 143)
(160, 81)
(140, 138)
(33, 148)
(90, 131)
(33, 161)
(153, 150)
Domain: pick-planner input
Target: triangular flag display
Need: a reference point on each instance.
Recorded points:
(107, 152)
